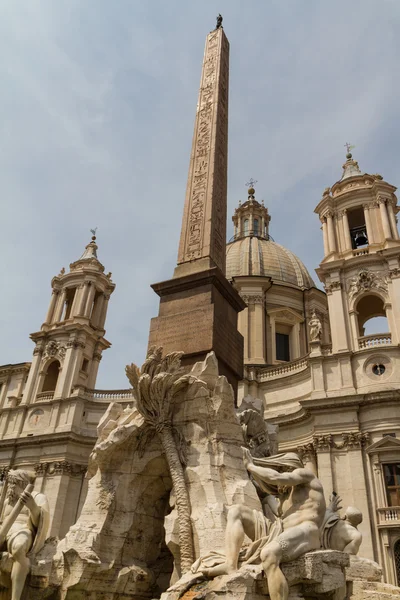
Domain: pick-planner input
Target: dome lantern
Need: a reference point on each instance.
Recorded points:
(251, 219)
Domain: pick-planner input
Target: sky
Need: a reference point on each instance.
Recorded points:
(97, 107)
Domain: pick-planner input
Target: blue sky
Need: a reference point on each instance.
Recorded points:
(98, 101)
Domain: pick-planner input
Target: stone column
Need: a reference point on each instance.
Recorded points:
(346, 231)
(4, 390)
(76, 300)
(83, 299)
(337, 317)
(392, 219)
(203, 235)
(295, 342)
(60, 306)
(31, 383)
(368, 225)
(90, 299)
(243, 327)
(331, 232)
(256, 329)
(94, 367)
(354, 328)
(307, 455)
(49, 315)
(273, 341)
(325, 236)
(98, 310)
(323, 445)
(385, 219)
(102, 317)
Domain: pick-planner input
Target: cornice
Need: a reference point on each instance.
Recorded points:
(62, 467)
(58, 438)
(6, 370)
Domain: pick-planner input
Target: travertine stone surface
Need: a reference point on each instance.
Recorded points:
(118, 542)
(314, 574)
(203, 235)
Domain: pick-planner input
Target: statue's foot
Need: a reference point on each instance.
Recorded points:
(223, 569)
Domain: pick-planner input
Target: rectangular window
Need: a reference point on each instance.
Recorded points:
(282, 346)
(392, 483)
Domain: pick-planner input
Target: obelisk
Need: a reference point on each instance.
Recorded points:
(203, 234)
(198, 306)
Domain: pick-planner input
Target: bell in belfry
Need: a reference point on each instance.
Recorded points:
(360, 239)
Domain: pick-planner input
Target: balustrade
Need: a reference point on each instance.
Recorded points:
(377, 339)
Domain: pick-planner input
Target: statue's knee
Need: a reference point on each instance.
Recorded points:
(235, 512)
(19, 550)
(269, 556)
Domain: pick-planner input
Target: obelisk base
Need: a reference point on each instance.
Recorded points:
(198, 314)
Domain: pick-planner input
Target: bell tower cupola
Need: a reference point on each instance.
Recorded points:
(71, 340)
(360, 269)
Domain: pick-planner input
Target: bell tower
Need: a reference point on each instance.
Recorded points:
(360, 269)
(71, 340)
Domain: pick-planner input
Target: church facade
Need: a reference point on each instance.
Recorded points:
(308, 363)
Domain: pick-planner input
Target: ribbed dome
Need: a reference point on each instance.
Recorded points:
(257, 256)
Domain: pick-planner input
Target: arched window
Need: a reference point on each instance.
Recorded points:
(246, 227)
(255, 226)
(50, 380)
(371, 316)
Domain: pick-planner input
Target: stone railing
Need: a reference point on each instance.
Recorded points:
(44, 396)
(108, 394)
(389, 515)
(283, 370)
(377, 339)
(360, 252)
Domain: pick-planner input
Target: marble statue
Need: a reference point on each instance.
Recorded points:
(299, 515)
(341, 533)
(315, 328)
(23, 529)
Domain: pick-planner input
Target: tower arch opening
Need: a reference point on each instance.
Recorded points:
(371, 315)
(358, 228)
(51, 377)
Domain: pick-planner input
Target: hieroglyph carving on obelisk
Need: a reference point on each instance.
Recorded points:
(203, 235)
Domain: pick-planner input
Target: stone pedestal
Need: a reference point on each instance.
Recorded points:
(198, 314)
(317, 574)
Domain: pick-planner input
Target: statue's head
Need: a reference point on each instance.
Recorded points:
(17, 480)
(353, 516)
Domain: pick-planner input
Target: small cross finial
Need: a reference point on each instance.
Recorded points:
(251, 183)
(349, 147)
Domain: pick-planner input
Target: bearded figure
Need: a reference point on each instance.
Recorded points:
(23, 529)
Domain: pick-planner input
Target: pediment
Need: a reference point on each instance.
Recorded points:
(386, 444)
(285, 314)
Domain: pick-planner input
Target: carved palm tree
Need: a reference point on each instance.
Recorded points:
(155, 387)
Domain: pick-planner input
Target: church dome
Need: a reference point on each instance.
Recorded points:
(263, 257)
(253, 252)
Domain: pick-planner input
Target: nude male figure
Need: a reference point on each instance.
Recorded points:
(28, 532)
(301, 511)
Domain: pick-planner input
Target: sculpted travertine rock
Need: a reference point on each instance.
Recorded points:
(341, 534)
(23, 529)
(120, 536)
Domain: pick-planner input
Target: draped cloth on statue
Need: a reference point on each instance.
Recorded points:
(276, 462)
(40, 532)
(265, 532)
(330, 520)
